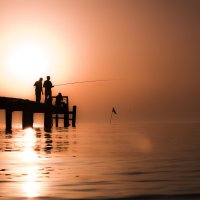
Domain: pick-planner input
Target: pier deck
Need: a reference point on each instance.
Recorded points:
(28, 108)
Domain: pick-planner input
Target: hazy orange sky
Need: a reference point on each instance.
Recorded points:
(151, 48)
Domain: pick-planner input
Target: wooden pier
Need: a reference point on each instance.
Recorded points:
(28, 108)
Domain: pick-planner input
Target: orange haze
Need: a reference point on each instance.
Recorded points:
(150, 49)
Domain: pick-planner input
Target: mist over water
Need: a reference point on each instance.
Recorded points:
(101, 161)
(150, 49)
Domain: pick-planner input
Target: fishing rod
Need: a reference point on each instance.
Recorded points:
(79, 82)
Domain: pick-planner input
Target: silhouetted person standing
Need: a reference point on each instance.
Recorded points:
(38, 89)
(48, 85)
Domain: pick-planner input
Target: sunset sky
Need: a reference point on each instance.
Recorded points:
(149, 49)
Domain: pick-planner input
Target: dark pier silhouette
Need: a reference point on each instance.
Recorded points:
(28, 108)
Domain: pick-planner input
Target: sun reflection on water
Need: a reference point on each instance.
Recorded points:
(30, 186)
(29, 139)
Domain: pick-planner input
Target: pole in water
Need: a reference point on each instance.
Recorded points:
(113, 111)
(111, 117)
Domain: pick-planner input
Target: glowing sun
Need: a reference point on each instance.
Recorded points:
(29, 59)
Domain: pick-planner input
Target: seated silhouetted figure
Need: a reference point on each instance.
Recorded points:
(59, 100)
(38, 89)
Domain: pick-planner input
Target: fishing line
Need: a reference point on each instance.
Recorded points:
(79, 82)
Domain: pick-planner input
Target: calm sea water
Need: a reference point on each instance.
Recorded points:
(102, 161)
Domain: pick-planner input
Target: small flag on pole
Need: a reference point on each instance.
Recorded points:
(114, 111)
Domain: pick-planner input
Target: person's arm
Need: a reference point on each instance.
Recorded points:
(52, 85)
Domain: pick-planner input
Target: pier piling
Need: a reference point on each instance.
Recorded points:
(56, 120)
(74, 116)
(47, 120)
(8, 120)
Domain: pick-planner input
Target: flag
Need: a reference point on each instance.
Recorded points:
(114, 111)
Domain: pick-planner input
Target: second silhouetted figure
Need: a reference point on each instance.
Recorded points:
(48, 85)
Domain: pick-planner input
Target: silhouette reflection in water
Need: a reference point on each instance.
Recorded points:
(49, 143)
(31, 150)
